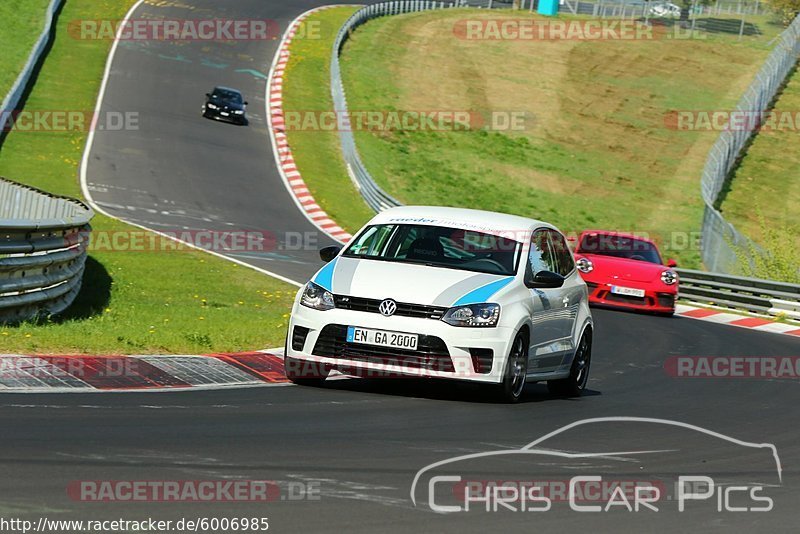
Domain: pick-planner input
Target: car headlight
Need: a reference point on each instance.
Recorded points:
(317, 297)
(474, 315)
(669, 277)
(239, 112)
(211, 106)
(584, 265)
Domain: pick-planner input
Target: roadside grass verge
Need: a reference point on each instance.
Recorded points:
(306, 92)
(131, 302)
(23, 21)
(764, 191)
(597, 148)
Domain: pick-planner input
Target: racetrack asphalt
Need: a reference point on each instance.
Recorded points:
(359, 443)
(177, 171)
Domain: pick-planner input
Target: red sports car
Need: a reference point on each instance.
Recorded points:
(626, 271)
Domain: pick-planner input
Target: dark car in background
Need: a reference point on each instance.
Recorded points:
(224, 103)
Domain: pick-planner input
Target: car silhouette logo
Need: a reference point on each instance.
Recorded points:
(387, 307)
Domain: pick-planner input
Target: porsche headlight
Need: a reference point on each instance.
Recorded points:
(317, 297)
(239, 112)
(474, 315)
(211, 106)
(584, 265)
(669, 277)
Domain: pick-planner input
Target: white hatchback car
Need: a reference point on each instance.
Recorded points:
(449, 293)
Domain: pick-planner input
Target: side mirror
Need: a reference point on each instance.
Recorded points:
(208, 95)
(672, 263)
(328, 253)
(545, 280)
(246, 102)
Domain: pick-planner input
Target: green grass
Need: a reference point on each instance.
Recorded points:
(130, 303)
(317, 153)
(768, 178)
(23, 21)
(594, 151)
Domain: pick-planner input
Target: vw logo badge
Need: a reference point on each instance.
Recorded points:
(387, 307)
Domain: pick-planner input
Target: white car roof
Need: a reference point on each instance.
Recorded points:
(467, 219)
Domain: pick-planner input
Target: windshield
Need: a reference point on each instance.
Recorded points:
(437, 246)
(619, 247)
(224, 94)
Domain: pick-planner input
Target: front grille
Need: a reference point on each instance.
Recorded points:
(299, 335)
(482, 360)
(431, 353)
(629, 299)
(403, 309)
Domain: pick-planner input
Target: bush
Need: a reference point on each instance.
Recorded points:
(787, 10)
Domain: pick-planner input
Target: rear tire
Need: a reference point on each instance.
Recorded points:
(575, 383)
(513, 384)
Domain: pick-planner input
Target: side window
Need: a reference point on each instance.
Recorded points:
(561, 249)
(540, 257)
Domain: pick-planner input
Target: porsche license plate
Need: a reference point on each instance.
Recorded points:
(631, 292)
(383, 338)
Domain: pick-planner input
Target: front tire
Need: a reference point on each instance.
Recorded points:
(575, 383)
(513, 384)
(303, 373)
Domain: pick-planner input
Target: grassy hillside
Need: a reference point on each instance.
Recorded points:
(23, 21)
(596, 148)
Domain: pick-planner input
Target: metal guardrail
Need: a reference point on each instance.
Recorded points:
(43, 244)
(12, 99)
(748, 294)
(722, 243)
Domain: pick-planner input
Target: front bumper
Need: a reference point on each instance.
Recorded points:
(661, 300)
(444, 351)
(231, 117)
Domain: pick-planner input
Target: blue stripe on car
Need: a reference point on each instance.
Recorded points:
(483, 293)
(324, 277)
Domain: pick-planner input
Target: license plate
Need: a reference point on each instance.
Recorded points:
(383, 338)
(224, 114)
(619, 290)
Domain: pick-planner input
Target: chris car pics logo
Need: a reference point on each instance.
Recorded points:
(603, 481)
